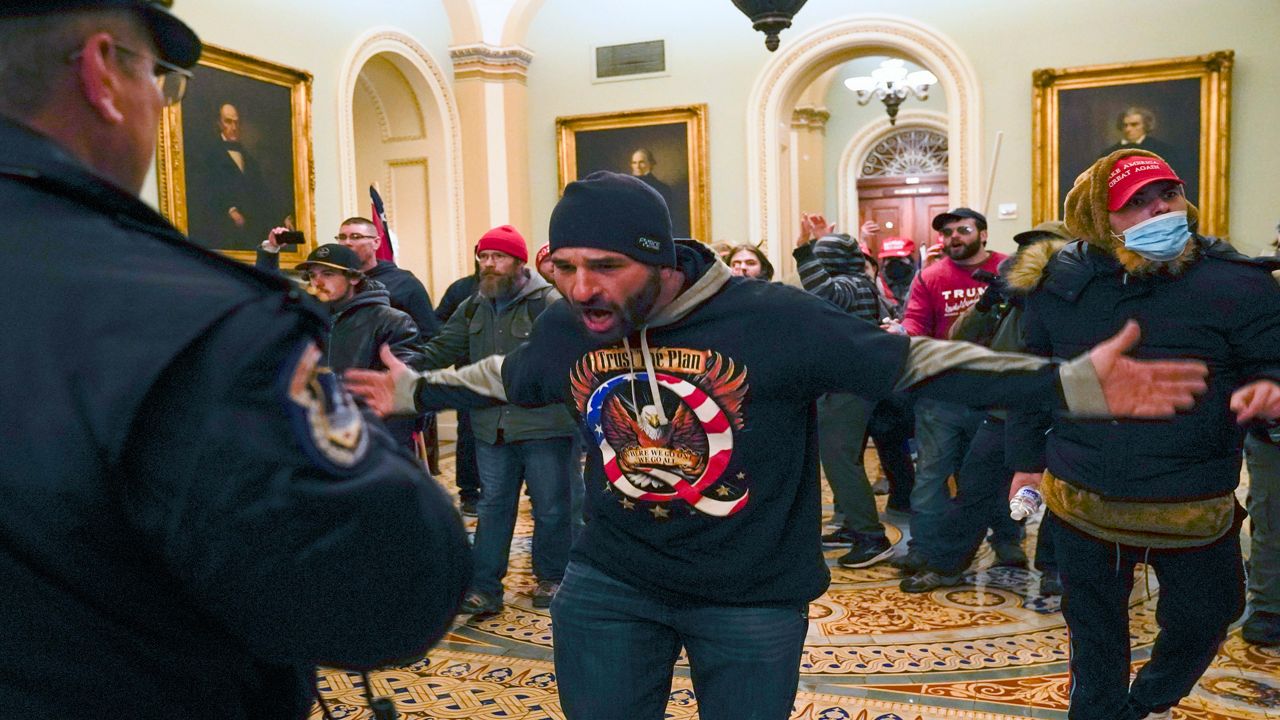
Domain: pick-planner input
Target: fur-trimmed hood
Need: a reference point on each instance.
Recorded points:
(1026, 267)
(1087, 218)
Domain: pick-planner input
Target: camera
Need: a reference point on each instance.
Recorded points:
(289, 237)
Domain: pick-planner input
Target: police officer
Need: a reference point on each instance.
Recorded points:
(195, 513)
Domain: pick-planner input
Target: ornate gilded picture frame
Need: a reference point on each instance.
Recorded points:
(235, 158)
(1180, 107)
(665, 147)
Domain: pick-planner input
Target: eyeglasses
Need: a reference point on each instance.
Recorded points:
(340, 237)
(171, 80)
(957, 230)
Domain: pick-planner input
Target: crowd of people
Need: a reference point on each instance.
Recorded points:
(215, 475)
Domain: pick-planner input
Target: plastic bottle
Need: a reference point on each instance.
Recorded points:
(1025, 503)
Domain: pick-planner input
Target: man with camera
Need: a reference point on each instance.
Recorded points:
(196, 512)
(359, 234)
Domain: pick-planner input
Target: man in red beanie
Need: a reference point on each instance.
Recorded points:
(1161, 494)
(536, 445)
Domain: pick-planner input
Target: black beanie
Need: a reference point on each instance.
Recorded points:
(620, 213)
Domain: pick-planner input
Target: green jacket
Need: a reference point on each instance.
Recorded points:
(476, 331)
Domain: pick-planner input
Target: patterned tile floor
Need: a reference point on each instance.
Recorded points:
(987, 650)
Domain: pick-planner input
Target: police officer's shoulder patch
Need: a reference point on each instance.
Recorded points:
(325, 420)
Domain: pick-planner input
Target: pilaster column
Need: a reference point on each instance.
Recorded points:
(809, 133)
(489, 83)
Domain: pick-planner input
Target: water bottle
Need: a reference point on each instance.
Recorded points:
(1025, 503)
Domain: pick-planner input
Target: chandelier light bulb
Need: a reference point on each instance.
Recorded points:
(892, 83)
(922, 79)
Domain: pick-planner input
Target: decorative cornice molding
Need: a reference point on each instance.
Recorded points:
(489, 63)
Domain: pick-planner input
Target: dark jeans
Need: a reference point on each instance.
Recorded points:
(466, 474)
(981, 502)
(616, 647)
(892, 425)
(1201, 594)
(943, 432)
(547, 466)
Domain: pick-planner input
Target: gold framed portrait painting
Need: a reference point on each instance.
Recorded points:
(234, 156)
(1178, 108)
(665, 147)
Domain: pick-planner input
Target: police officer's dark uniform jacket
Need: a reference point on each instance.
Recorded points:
(194, 516)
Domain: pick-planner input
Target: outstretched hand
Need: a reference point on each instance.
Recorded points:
(1259, 400)
(377, 388)
(1144, 388)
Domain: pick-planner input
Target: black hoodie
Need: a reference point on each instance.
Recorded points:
(712, 495)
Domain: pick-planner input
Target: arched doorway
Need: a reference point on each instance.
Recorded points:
(897, 174)
(795, 67)
(400, 130)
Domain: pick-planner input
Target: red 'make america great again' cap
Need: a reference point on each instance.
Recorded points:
(1131, 174)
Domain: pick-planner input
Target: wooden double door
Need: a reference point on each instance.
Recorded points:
(903, 206)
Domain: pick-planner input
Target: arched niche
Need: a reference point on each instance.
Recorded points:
(800, 62)
(398, 126)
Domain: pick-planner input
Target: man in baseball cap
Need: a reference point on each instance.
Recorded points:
(897, 269)
(897, 247)
(1134, 172)
(1161, 494)
(343, 266)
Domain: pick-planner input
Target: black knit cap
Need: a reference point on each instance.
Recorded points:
(620, 213)
(176, 43)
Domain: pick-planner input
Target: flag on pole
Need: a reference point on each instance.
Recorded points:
(385, 249)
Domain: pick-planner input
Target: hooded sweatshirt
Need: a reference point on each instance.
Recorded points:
(834, 269)
(702, 482)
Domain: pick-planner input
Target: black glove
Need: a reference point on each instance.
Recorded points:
(996, 292)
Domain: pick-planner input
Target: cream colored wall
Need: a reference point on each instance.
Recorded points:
(714, 57)
(392, 150)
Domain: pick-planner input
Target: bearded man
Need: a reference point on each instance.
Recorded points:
(513, 444)
(939, 294)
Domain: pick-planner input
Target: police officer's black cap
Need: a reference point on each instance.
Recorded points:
(960, 213)
(176, 43)
(332, 255)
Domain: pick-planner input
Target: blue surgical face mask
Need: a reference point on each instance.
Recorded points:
(1162, 238)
